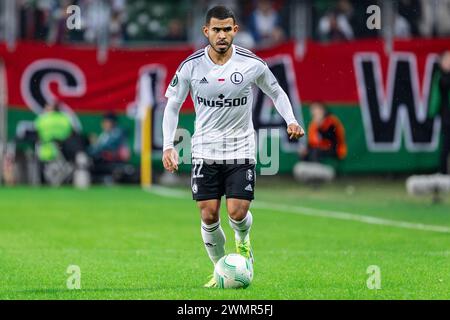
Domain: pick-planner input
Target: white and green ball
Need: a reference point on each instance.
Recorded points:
(233, 271)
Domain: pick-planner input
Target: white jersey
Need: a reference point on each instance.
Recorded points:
(223, 101)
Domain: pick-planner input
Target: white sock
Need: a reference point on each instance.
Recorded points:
(242, 228)
(214, 240)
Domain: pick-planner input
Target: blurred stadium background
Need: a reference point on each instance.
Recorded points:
(377, 82)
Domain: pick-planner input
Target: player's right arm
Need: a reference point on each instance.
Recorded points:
(176, 94)
(170, 122)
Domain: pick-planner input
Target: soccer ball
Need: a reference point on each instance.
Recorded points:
(233, 271)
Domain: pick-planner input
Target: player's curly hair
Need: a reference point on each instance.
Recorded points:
(219, 12)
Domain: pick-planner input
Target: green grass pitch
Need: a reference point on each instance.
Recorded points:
(135, 244)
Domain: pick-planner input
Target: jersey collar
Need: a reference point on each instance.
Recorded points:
(218, 65)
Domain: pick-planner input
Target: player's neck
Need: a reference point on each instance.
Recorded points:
(220, 58)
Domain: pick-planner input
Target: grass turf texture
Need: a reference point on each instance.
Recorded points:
(132, 244)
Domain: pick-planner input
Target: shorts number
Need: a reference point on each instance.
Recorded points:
(198, 165)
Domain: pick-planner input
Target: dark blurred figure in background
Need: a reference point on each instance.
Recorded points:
(411, 10)
(264, 24)
(326, 136)
(440, 105)
(336, 24)
(35, 17)
(175, 31)
(109, 151)
(43, 19)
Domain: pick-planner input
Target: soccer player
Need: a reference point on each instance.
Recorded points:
(220, 79)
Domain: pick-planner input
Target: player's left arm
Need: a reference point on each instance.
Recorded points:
(270, 86)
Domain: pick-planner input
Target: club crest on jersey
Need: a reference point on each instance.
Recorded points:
(237, 77)
(194, 188)
(174, 81)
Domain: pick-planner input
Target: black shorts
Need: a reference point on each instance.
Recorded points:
(211, 179)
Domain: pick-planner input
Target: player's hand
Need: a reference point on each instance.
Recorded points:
(170, 160)
(295, 131)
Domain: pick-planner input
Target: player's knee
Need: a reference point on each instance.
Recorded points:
(237, 213)
(209, 213)
(209, 217)
(237, 209)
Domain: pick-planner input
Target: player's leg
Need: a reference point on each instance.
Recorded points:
(207, 189)
(240, 217)
(241, 220)
(212, 232)
(239, 190)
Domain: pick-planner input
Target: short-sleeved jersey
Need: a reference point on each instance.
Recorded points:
(223, 100)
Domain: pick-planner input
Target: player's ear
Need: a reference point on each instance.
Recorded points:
(205, 31)
(236, 28)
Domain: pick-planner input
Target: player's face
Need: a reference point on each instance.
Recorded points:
(220, 34)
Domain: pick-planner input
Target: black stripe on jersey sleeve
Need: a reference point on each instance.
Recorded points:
(195, 53)
(244, 50)
(250, 56)
(189, 59)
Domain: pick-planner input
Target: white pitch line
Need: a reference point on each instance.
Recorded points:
(306, 211)
(167, 192)
(350, 216)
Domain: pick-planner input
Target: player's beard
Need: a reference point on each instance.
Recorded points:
(221, 50)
